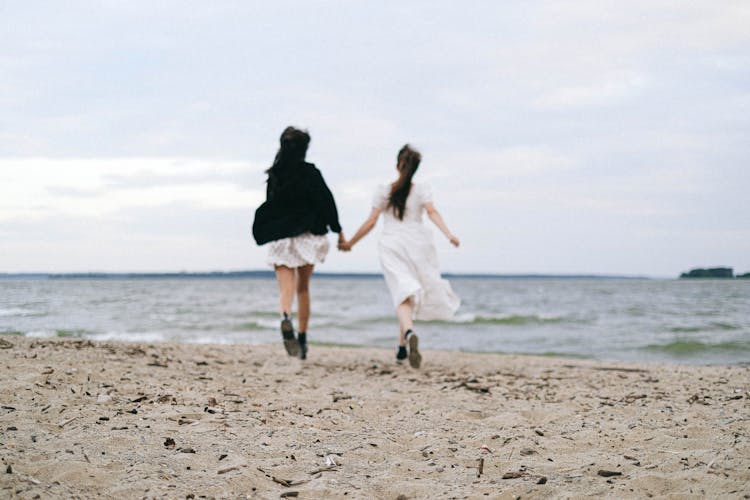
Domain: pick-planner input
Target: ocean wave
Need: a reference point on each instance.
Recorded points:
(130, 336)
(266, 315)
(18, 311)
(710, 327)
(40, 333)
(561, 354)
(694, 347)
(509, 319)
(46, 333)
(74, 333)
(251, 326)
(461, 319)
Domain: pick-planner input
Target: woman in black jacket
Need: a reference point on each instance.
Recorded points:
(298, 211)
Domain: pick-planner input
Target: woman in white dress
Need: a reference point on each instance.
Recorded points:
(298, 211)
(407, 253)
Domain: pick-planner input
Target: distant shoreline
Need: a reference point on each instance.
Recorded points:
(270, 274)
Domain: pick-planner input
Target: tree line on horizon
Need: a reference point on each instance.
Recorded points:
(714, 272)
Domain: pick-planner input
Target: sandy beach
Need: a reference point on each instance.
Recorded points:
(122, 420)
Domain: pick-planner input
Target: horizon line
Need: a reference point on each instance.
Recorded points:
(262, 273)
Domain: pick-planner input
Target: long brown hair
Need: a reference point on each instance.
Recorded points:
(407, 163)
(293, 145)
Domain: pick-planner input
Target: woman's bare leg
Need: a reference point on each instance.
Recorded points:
(304, 274)
(404, 312)
(285, 277)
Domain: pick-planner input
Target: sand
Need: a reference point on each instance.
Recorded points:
(122, 420)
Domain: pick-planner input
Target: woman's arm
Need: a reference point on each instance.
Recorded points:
(437, 219)
(363, 230)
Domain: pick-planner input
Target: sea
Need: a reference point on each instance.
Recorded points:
(643, 320)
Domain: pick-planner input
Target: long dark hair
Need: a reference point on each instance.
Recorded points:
(291, 154)
(407, 163)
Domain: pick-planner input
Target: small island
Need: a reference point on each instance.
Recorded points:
(713, 273)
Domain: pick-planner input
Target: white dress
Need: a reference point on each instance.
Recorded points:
(409, 260)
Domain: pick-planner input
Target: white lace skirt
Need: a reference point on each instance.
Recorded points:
(298, 251)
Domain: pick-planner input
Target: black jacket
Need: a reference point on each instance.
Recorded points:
(296, 203)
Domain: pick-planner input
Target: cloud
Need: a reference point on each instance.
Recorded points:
(507, 163)
(612, 89)
(32, 188)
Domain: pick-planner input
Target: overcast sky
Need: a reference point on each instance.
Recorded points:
(559, 137)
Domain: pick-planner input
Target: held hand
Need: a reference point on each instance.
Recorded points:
(342, 242)
(343, 246)
(454, 241)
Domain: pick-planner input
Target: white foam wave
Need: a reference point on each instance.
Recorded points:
(17, 311)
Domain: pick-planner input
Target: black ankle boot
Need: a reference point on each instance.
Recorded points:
(287, 335)
(302, 339)
(401, 354)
